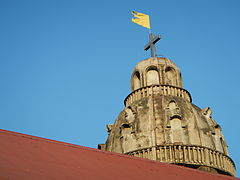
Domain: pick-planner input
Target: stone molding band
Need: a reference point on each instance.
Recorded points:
(157, 89)
(188, 154)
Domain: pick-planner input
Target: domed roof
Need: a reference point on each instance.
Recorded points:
(160, 122)
(156, 61)
(155, 70)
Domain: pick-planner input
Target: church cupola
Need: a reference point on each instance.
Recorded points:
(155, 71)
(156, 75)
(159, 121)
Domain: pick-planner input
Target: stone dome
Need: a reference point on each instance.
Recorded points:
(159, 122)
(155, 71)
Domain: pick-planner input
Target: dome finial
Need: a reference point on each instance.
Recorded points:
(151, 44)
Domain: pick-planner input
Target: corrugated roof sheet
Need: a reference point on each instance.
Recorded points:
(25, 157)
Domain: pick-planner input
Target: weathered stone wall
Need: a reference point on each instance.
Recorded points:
(164, 119)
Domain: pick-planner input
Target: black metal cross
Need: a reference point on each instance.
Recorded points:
(151, 44)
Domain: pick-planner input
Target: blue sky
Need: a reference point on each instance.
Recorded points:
(65, 65)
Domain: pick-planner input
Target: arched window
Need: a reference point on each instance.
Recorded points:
(172, 105)
(152, 76)
(177, 131)
(171, 78)
(175, 122)
(136, 80)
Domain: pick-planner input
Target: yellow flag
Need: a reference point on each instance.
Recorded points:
(141, 19)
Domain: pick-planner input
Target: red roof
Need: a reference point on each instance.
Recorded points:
(25, 157)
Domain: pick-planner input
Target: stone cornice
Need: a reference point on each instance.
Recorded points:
(188, 154)
(157, 89)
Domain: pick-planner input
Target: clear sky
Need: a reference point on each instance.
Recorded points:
(65, 65)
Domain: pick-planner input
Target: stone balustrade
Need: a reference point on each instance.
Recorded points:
(157, 89)
(183, 154)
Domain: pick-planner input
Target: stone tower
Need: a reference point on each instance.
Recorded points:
(159, 122)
